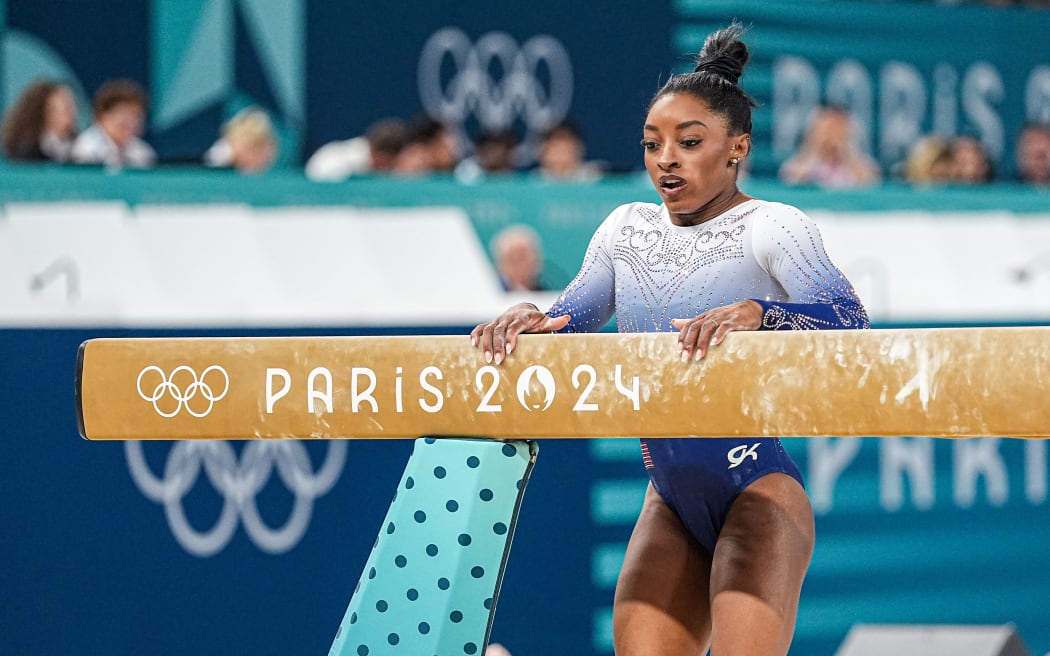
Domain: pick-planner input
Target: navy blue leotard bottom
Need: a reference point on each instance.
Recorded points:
(699, 478)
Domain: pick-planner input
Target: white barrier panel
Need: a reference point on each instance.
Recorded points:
(207, 262)
(921, 266)
(312, 255)
(70, 263)
(233, 265)
(9, 277)
(429, 261)
(377, 267)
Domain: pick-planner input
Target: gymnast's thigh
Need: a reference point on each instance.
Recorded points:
(758, 567)
(662, 597)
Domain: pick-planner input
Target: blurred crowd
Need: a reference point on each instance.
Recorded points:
(42, 125)
(426, 146)
(830, 156)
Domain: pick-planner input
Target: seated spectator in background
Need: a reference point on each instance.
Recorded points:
(929, 162)
(829, 156)
(970, 162)
(430, 147)
(561, 155)
(41, 124)
(518, 255)
(248, 143)
(114, 139)
(374, 152)
(1032, 154)
(494, 154)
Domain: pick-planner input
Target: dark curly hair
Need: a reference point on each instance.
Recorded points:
(24, 123)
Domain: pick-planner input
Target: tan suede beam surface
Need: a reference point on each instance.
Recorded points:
(943, 382)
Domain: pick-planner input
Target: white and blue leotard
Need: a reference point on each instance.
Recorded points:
(648, 271)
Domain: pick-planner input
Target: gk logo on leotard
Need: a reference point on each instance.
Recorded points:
(495, 79)
(183, 389)
(238, 482)
(739, 454)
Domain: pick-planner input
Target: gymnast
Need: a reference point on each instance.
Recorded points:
(718, 554)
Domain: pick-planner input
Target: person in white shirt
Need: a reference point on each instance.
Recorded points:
(374, 152)
(114, 139)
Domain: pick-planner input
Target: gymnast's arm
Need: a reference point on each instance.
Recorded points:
(585, 306)
(791, 250)
(590, 298)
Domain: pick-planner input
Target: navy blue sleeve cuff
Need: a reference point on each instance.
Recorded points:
(812, 316)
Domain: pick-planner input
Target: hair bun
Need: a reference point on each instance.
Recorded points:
(721, 67)
(724, 54)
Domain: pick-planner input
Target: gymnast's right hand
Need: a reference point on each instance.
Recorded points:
(498, 337)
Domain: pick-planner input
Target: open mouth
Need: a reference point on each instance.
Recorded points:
(671, 182)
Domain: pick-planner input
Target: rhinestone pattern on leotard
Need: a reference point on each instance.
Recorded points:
(649, 271)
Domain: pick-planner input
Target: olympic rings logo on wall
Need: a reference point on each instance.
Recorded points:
(238, 482)
(184, 392)
(495, 79)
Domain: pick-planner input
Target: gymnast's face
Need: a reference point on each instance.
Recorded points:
(688, 154)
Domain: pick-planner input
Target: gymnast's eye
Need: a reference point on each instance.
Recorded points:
(649, 144)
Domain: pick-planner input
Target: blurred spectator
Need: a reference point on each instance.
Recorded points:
(829, 155)
(248, 143)
(494, 154)
(41, 124)
(374, 152)
(929, 162)
(1032, 152)
(518, 255)
(970, 161)
(958, 160)
(114, 139)
(431, 147)
(561, 155)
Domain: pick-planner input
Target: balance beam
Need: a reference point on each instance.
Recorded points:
(941, 382)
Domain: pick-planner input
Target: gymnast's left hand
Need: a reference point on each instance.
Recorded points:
(698, 334)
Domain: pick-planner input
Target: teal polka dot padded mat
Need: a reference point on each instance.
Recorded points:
(429, 586)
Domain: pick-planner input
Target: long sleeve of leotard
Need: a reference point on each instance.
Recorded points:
(789, 247)
(590, 298)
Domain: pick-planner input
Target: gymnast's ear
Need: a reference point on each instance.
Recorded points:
(741, 146)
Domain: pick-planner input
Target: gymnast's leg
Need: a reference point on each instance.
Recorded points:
(758, 566)
(662, 605)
